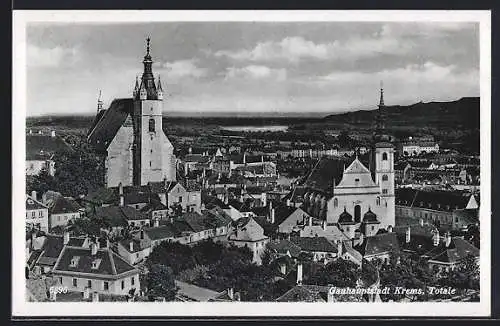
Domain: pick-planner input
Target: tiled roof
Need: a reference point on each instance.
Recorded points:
(118, 215)
(324, 173)
(32, 204)
(455, 252)
(284, 246)
(64, 205)
(52, 246)
(110, 265)
(37, 145)
(191, 292)
(302, 294)
(153, 206)
(248, 230)
(435, 199)
(196, 221)
(198, 158)
(378, 244)
(113, 118)
(162, 232)
(314, 244)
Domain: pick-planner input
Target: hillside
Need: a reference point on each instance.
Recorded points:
(461, 114)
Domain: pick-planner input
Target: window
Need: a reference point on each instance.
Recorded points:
(357, 213)
(384, 191)
(60, 280)
(96, 263)
(123, 285)
(137, 255)
(456, 219)
(32, 214)
(378, 201)
(373, 228)
(384, 157)
(106, 286)
(335, 202)
(180, 199)
(89, 284)
(40, 213)
(132, 281)
(151, 125)
(385, 177)
(75, 282)
(149, 163)
(356, 180)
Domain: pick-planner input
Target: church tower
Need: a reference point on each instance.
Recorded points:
(151, 162)
(383, 163)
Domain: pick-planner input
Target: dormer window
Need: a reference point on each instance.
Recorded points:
(96, 263)
(74, 261)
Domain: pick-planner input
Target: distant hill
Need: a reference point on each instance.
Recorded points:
(463, 113)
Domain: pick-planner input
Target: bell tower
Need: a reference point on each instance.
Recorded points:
(148, 129)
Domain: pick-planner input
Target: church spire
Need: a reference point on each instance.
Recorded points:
(99, 103)
(159, 84)
(381, 94)
(147, 79)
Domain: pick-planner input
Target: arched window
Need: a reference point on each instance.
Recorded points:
(378, 201)
(384, 156)
(151, 125)
(357, 213)
(385, 177)
(335, 202)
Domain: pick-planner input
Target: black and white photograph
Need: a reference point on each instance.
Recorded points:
(246, 163)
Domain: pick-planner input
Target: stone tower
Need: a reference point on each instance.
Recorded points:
(151, 163)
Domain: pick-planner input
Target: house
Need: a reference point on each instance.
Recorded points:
(155, 211)
(119, 217)
(62, 210)
(40, 150)
(46, 249)
(450, 252)
(434, 206)
(37, 214)
(319, 247)
(97, 269)
(187, 292)
(248, 233)
(379, 246)
(135, 250)
(176, 193)
(158, 234)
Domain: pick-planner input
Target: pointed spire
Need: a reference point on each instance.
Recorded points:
(148, 40)
(159, 83)
(99, 102)
(381, 94)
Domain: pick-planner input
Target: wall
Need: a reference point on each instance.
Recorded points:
(62, 219)
(444, 218)
(118, 161)
(38, 216)
(98, 284)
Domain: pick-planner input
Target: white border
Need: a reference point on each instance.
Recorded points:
(22, 308)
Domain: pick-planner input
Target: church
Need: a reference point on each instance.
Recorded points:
(130, 137)
(351, 194)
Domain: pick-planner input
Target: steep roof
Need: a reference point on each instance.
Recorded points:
(248, 230)
(378, 244)
(113, 118)
(324, 173)
(432, 199)
(314, 244)
(111, 265)
(161, 232)
(32, 204)
(64, 205)
(284, 246)
(458, 250)
(37, 145)
(118, 215)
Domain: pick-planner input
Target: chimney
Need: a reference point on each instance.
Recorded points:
(33, 194)
(408, 235)
(339, 248)
(131, 246)
(435, 239)
(156, 222)
(93, 249)
(447, 239)
(421, 221)
(53, 133)
(86, 293)
(310, 221)
(190, 150)
(288, 202)
(95, 296)
(230, 293)
(323, 225)
(120, 192)
(283, 269)
(245, 158)
(39, 132)
(299, 274)
(107, 243)
(31, 132)
(389, 229)
(142, 234)
(272, 216)
(66, 237)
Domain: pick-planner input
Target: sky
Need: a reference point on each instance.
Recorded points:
(295, 67)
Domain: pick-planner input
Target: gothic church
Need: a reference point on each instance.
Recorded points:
(130, 136)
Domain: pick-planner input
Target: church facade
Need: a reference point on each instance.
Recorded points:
(352, 194)
(130, 136)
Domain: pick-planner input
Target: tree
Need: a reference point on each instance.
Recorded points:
(178, 256)
(160, 282)
(41, 183)
(340, 273)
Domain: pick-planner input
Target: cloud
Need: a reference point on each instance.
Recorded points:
(182, 69)
(51, 57)
(295, 48)
(255, 72)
